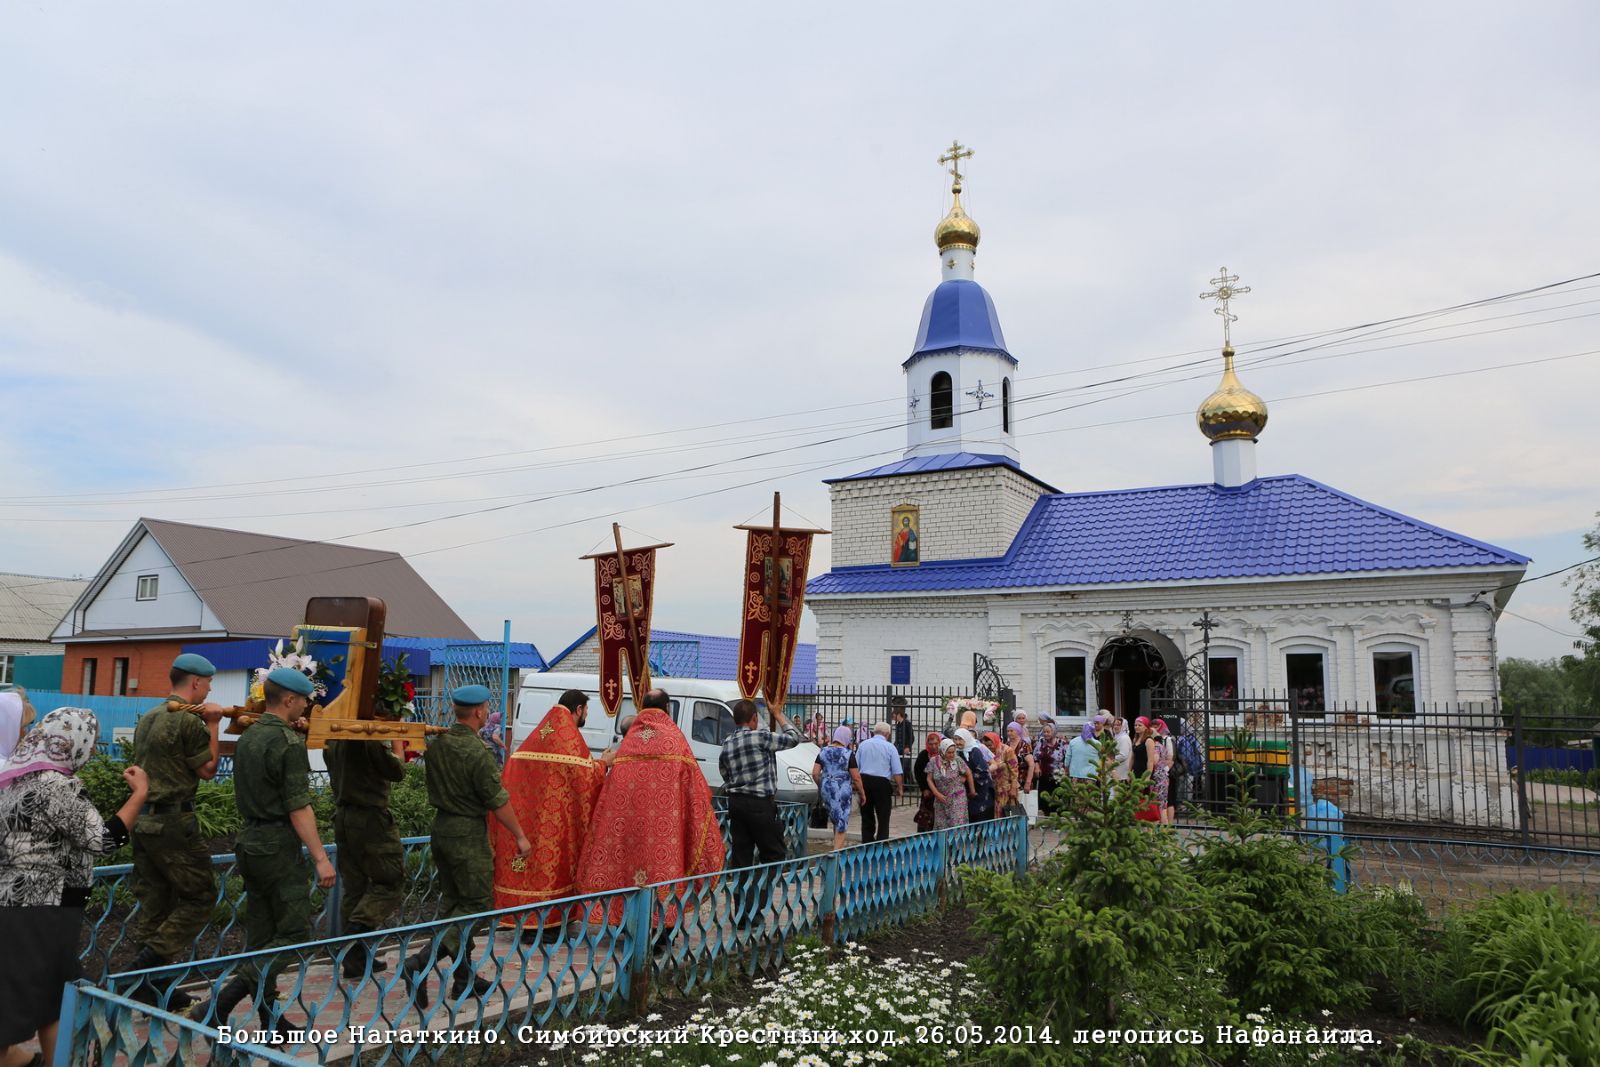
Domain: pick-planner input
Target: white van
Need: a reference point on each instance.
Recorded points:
(702, 708)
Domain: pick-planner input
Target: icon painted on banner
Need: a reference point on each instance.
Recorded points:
(785, 580)
(635, 599)
(905, 526)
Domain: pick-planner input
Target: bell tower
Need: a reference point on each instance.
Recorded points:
(960, 379)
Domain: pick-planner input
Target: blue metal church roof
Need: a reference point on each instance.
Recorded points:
(1273, 527)
(958, 314)
(949, 461)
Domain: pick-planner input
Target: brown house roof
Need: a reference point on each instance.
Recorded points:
(257, 585)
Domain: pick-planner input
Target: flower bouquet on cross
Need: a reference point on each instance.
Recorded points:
(982, 709)
(295, 657)
(396, 694)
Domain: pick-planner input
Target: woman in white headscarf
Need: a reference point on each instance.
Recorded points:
(50, 834)
(15, 715)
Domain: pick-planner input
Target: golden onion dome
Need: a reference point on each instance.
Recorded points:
(956, 230)
(1232, 412)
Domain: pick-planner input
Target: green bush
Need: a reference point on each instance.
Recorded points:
(1116, 909)
(1289, 939)
(1406, 967)
(1589, 779)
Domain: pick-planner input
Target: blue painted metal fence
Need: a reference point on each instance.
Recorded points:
(112, 910)
(114, 713)
(574, 959)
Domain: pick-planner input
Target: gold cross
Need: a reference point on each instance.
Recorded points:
(1225, 291)
(546, 730)
(954, 156)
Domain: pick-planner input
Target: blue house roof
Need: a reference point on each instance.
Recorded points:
(959, 313)
(1272, 527)
(710, 656)
(953, 461)
(422, 653)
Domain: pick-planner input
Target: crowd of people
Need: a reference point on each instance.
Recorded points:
(962, 776)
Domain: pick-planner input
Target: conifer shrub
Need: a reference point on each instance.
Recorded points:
(1289, 940)
(1107, 933)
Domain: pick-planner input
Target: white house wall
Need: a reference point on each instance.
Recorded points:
(175, 606)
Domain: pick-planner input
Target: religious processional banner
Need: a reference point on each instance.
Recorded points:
(766, 652)
(621, 643)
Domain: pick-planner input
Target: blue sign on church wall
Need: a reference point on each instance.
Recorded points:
(899, 670)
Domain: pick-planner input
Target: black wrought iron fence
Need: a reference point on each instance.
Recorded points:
(1431, 769)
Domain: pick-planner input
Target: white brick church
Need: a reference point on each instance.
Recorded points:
(1087, 600)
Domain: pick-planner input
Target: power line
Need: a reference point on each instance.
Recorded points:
(1381, 324)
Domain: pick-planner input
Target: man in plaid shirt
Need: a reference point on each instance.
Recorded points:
(750, 779)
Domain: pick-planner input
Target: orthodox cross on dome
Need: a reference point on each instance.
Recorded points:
(1224, 292)
(954, 156)
(980, 394)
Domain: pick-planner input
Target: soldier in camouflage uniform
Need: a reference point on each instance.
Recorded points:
(172, 877)
(371, 862)
(274, 797)
(463, 787)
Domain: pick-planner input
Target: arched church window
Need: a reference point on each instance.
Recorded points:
(1005, 405)
(943, 413)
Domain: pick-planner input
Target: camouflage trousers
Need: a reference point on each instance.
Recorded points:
(371, 866)
(173, 882)
(465, 866)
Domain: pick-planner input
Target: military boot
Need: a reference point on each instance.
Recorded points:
(216, 1011)
(481, 986)
(148, 992)
(415, 972)
(358, 954)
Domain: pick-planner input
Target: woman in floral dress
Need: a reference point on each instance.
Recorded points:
(950, 782)
(1003, 772)
(838, 780)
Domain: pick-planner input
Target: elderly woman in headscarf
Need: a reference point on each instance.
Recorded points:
(1083, 753)
(1119, 731)
(950, 782)
(1049, 760)
(15, 715)
(1005, 774)
(50, 834)
(838, 779)
(1021, 747)
(980, 803)
(919, 772)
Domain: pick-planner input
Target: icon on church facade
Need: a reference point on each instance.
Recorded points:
(905, 536)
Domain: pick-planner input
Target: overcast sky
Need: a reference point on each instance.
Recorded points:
(464, 249)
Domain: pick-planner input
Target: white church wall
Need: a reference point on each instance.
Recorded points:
(943, 637)
(973, 428)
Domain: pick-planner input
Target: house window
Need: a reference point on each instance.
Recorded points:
(5, 670)
(147, 587)
(1005, 405)
(1307, 680)
(1394, 681)
(88, 677)
(943, 413)
(1224, 677)
(899, 670)
(119, 677)
(1072, 685)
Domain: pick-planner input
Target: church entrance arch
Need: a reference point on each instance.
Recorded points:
(1130, 667)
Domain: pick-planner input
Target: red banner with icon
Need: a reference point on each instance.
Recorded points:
(774, 578)
(621, 643)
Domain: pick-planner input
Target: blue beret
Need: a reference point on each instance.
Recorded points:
(189, 663)
(469, 695)
(291, 679)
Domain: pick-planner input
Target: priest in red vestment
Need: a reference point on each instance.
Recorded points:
(654, 821)
(554, 784)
